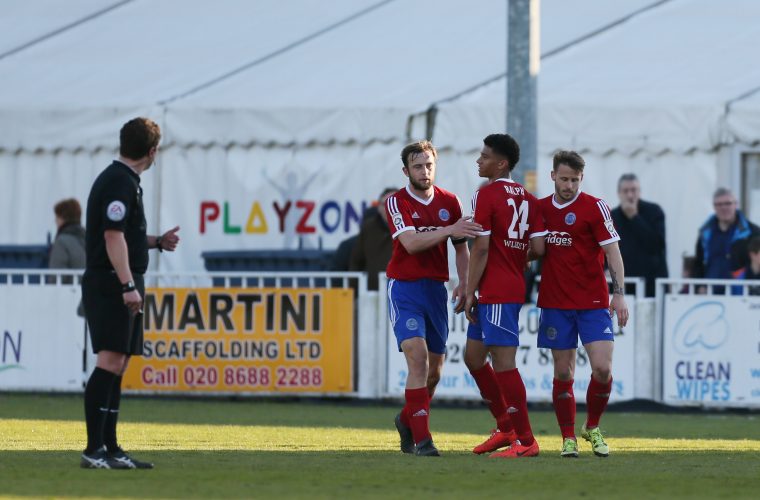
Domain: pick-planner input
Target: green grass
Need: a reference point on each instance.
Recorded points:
(223, 449)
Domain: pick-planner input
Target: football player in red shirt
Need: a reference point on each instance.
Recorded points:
(574, 297)
(512, 224)
(422, 217)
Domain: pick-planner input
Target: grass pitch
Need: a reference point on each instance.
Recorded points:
(223, 449)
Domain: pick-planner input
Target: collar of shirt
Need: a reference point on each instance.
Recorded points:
(129, 169)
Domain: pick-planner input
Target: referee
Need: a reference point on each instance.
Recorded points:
(113, 287)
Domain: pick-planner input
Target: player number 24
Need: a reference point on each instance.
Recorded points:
(520, 214)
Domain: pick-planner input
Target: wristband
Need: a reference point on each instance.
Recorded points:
(158, 244)
(128, 287)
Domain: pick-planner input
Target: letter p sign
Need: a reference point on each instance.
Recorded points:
(209, 212)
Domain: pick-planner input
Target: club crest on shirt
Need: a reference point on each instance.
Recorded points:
(411, 324)
(116, 211)
(443, 214)
(570, 219)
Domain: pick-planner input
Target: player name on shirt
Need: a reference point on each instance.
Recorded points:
(519, 245)
(514, 190)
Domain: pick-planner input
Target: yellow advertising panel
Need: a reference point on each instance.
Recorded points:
(246, 340)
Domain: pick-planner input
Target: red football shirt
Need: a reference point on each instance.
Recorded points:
(511, 216)
(408, 212)
(572, 273)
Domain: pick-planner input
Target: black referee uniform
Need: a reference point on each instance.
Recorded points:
(115, 202)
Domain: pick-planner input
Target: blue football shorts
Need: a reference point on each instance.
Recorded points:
(419, 309)
(561, 328)
(497, 325)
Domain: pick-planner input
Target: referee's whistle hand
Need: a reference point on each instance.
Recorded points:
(170, 239)
(133, 301)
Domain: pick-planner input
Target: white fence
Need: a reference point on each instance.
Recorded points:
(691, 345)
(709, 334)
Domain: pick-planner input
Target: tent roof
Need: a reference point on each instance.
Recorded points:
(660, 81)
(239, 72)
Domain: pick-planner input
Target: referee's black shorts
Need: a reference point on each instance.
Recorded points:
(112, 327)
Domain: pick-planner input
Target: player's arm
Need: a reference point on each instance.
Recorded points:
(462, 262)
(118, 254)
(615, 264)
(477, 266)
(537, 247)
(416, 242)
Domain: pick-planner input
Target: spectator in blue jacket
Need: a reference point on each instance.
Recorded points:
(723, 240)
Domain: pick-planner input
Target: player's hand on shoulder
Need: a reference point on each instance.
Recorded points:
(465, 228)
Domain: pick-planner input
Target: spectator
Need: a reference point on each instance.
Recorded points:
(67, 251)
(752, 271)
(374, 244)
(687, 267)
(342, 254)
(641, 226)
(723, 239)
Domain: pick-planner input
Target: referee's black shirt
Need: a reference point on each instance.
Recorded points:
(115, 202)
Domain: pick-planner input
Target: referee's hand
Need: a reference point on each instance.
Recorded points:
(133, 301)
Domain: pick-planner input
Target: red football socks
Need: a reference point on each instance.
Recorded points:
(416, 413)
(513, 389)
(564, 407)
(597, 395)
(485, 377)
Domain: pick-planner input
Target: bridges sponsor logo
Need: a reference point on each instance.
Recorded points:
(559, 238)
(425, 229)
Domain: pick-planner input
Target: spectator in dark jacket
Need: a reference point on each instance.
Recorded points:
(752, 271)
(67, 251)
(641, 226)
(342, 255)
(374, 245)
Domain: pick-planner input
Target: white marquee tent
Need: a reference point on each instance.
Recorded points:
(671, 94)
(267, 102)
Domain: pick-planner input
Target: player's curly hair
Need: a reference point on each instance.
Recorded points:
(504, 145)
(416, 148)
(137, 137)
(569, 158)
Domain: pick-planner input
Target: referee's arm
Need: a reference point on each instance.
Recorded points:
(118, 254)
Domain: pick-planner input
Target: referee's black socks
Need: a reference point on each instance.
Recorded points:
(109, 434)
(96, 398)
